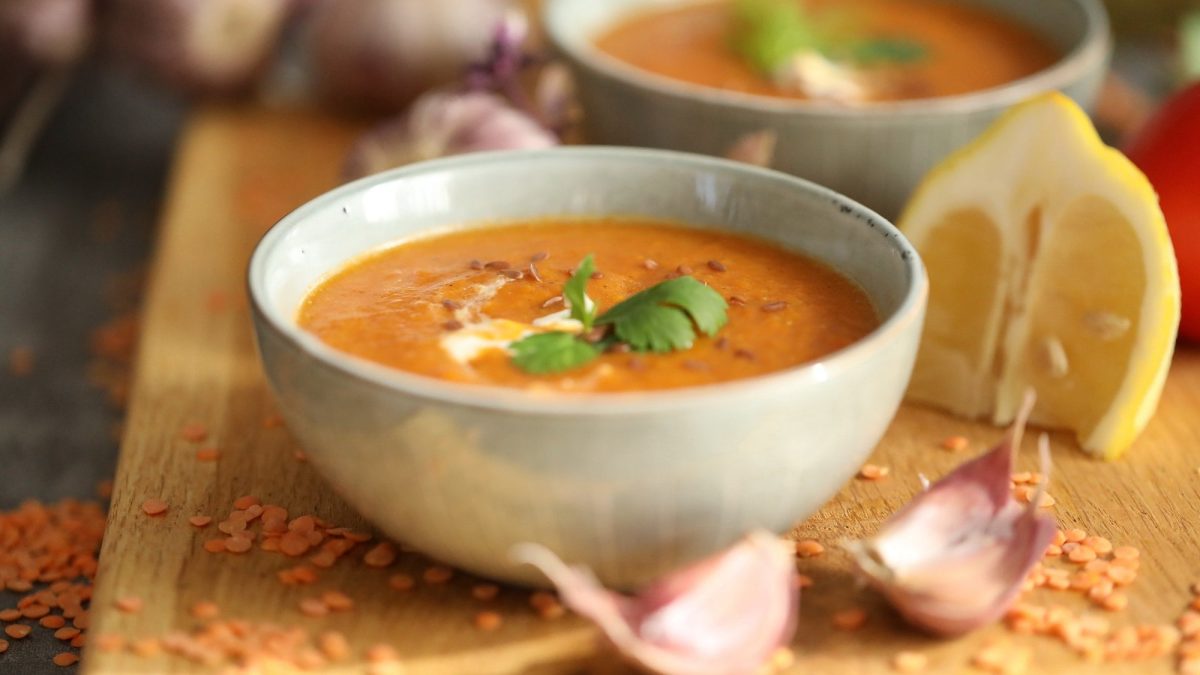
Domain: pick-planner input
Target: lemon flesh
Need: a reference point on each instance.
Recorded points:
(1050, 268)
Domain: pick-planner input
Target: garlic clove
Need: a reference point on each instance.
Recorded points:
(756, 147)
(724, 615)
(955, 557)
(445, 123)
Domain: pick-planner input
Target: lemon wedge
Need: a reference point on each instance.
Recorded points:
(1050, 267)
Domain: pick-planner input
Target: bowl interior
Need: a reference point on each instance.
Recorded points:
(1071, 26)
(322, 236)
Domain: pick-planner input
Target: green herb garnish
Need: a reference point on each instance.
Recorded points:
(575, 292)
(662, 318)
(659, 319)
(552, 352)
(769, 32)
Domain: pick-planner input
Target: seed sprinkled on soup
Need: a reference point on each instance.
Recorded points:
(599, 305)
(848, 51)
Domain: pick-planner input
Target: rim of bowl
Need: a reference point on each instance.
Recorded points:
(1093, 49)
(511, 399)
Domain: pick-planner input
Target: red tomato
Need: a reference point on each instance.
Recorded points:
(1167, 149)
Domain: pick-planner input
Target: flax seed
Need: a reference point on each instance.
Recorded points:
(475, 265)
(743, 354)
(650, 264)
(775, 306)
(683, 270)
(533, 272)
(497, 265)
(452, 325)
(597, 275)
(716, 266)
(452, 305)
(515, 275)
(737, 301)
(550, 302)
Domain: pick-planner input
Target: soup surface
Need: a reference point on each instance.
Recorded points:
(445, 305)
(966, 48)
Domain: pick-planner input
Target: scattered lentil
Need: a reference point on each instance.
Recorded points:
(65, 659)
(129, 604)
(488, 620)
(154, 507)
(401, 582)
(200, 521)
(205, 610)
(956, 443)
(809, 548)
(194, 432)
(909, 662)
(851, 619)
(485, 592)
(17, 631)
(382, 555)
(437, 574)
(208, 454)
(873, 472)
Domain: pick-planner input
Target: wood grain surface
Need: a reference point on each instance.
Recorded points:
(238, 171)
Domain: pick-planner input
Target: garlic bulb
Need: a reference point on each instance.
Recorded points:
(955, 558)
(726, 615)
(198, 45)
(382, 54)
(446, 123)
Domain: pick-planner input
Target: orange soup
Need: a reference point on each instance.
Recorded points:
(449, 306)
(962, 48)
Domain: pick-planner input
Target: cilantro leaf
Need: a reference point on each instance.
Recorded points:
(659, 319)
(887, 50)
(769, 32)
(552, 352)
(575, 291)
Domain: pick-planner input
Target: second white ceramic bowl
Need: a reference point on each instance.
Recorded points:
(875, 153)
(631, 485)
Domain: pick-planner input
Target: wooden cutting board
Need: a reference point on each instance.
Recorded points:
(240, 169)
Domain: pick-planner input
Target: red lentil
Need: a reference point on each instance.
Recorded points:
(382, 555)
(488, 621)
(65, 659)
(956, 443)
(154, 507)
(809, 548)
(851, 619)
(873, 472)
(194, 432)
(437, 574)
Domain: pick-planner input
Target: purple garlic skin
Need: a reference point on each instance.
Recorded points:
(954, 559)
(446, 123)
(726, 615)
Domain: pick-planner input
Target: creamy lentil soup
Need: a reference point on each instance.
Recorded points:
(444, 305)
(966, 48)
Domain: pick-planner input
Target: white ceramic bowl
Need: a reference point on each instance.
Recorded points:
(631, 484)
(875, 153)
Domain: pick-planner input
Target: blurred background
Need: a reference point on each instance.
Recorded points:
(94, 94)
